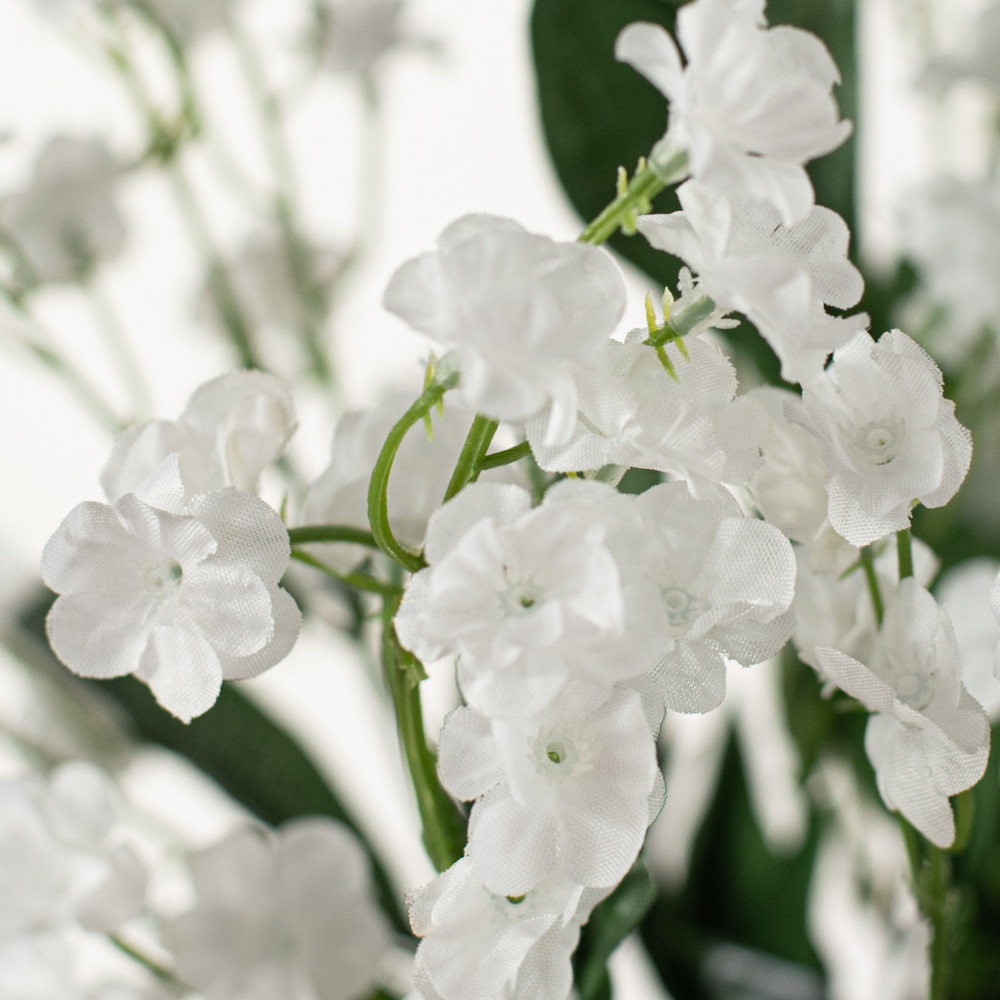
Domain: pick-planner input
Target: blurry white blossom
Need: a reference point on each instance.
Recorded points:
(559, 790)
(751, 105)
(951, 230)
(511, 308)
(65, 222)
(232, 428)
(481, 945)
(929, 738)
(353, 36)
(181, 592)
(886, 433)
(189, 20)
(536, 602)
(631, 413)
(780, 277)
(284, 914)
(61, 862)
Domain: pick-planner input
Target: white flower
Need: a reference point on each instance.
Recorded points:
(182, 593)
(420, 474)
(751, 105)
(232, 428)
(951, 229)
(631, 413)
(284, 914)
(726, 583)
(65, 222)
(566, 791)
(886, 433)
(537, 602)
(480, 945)
(789, 488)
(59, 859)
(780, 277)
(512, 307)
(930, 737)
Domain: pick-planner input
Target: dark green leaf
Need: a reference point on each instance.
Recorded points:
(611, 922)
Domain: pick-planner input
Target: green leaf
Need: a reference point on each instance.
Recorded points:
(235, 743)
(613, 919)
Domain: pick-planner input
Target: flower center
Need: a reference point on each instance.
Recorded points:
(880, 441)
(915, 690)
(163, 579)
(680, 605)
(555, 753)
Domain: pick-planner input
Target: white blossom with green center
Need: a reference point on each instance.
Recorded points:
(886, 434)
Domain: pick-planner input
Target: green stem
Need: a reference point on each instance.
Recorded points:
(645, 185)
(149, 964)
(904, 552)
(219, 281)
(357, 580)
(471, 456)
(279, 157)
(119, 345)
(86, 393)
(506, 457)
(331, 533)
(443, 825)
(378, 487)
(868, 565)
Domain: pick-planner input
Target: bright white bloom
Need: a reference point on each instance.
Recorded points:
(534, 600)
(975, 57)
(420, 474)
(284, 914)
(631, 413)
(726, 583)
(566, 791)
(886, 433)
(59, 859)
(480, 945)
(65, 222)
(38, 966)
(511, 307)
(930, 737)
(751, 105)
(780, 277)
(180, 592)
(231, 429)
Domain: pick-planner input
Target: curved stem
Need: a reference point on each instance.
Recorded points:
(471, 456)
(443, 824)
(331, 533)
(506, 457)
(359, 581)
(378, 487)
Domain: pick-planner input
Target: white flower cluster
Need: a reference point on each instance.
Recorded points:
(62, 865)
(177, 580)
